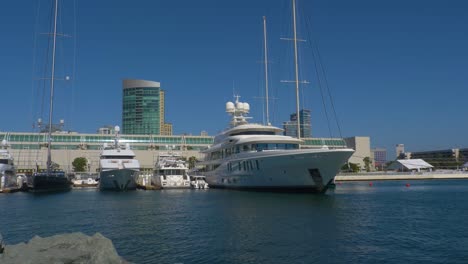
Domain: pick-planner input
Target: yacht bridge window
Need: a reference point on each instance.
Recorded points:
(116, 157)
(268, 146)
(254, 133)
(173, 172)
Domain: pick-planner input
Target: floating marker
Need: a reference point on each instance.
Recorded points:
(407, 185)
(370, 184)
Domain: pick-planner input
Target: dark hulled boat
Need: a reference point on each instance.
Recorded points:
(53, 181)
(50, 180)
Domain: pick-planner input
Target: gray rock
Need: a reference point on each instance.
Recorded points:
(65, 248)
(2, 245)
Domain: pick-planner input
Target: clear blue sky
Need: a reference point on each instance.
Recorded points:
(397, 69)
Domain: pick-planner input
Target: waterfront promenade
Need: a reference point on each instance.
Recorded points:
(382, 176)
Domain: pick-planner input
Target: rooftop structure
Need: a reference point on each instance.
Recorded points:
(410, 165)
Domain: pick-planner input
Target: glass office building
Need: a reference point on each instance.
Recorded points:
(290, 127)
(143, 108)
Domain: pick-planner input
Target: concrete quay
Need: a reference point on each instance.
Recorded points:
(401, 176)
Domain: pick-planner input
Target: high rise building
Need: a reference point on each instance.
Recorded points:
(290, 127)
(143, 108)
(400, 151)
(379, 155)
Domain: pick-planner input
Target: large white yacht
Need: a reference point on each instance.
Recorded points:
(7, 168)
(118, 166)
(171, 171)
(254, 156)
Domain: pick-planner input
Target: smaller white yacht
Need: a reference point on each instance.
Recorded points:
(7, 168)
(171, 171)
(118, 166)
(85, 181)
(198, 182)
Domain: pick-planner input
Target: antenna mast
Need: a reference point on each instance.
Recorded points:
(266, 70)
(49, 154)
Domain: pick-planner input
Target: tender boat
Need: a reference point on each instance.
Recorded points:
(85, 181)
(198, 182)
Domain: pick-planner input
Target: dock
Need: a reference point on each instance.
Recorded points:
(148, 187)
(10, 190)
(401, 176)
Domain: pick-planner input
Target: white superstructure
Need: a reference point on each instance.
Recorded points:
(118, 166)
(258, 157)
(171, 171)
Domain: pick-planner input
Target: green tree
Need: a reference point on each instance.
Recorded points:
(79, 164)
(367, 163)
(192, 160)
(54, 166)
(351, 167)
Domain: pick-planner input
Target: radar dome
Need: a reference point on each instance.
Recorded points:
(230, 107)
(240, 106)
(117, 129)
(246, 107)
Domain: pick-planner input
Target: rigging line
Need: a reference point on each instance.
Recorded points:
(325, 79)
(62, 51)
(46, 64)
(72, 86)
(34, 63)
(329, 93)
(319, 80)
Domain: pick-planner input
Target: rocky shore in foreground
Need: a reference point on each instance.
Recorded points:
(64, 248)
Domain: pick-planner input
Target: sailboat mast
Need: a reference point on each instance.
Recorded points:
(266, 70)
(52, 81)
(297, 71)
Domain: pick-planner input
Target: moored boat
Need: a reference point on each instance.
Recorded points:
(118, 167)
(8, 178)
(255, 156)
(171, 171)
(52, 179)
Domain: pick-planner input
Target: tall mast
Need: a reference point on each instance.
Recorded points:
(49, 154)
(266, 70)
(297, 71)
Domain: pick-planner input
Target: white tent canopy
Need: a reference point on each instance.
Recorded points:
(410, 164)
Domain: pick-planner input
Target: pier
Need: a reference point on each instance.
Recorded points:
(402, 176)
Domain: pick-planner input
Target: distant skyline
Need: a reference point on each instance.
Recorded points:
(397, 70)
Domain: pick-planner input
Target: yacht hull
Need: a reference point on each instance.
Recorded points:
(118, 180)
(49, 182)
(289, 171)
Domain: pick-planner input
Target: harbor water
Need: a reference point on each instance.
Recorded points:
(357, 222)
